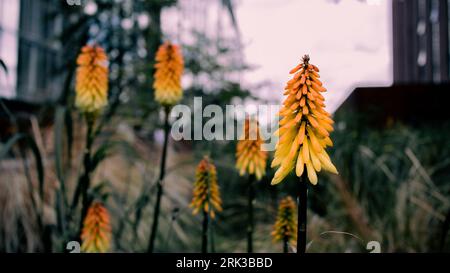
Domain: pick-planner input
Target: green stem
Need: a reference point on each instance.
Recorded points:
(285, 244)
(85, 180)
(160, 189)
(205, 232)
(211, 236)
(302, 195)
(250, 224)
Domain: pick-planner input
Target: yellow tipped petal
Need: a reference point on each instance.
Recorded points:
(314, 142)
(326, 163)
(305, 152)
(300, 165)
(301, 133)
(312, 176)
(276, 180)
(315, 160)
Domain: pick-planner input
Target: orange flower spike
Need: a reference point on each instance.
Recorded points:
(304, 131)
(169, 70)
(250, 158)
(286, 223)
(206, 195)
(96, 233)
(91, 79)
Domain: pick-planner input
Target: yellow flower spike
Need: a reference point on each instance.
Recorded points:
(91, 79)
(96, 233)
(206, 195)
(285, 227)
(169, 69)
(305, 127)
(250, 158)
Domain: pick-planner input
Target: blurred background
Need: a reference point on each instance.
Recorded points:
(384, 62)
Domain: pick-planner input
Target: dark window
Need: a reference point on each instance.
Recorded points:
(38, 78)
(421, 41)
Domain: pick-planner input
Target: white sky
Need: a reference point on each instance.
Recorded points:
(9, 46)
(350, 42)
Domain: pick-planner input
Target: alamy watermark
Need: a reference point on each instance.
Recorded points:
(73, 2)
(215, 123)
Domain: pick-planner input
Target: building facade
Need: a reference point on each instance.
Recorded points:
(28, 29)
(421, 41)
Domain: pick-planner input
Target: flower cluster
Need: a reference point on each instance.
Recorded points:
(92, 79)
(286, 224)
(169, 69)
(249, 155)
(304, 128)
(206, 195)
(96, 233)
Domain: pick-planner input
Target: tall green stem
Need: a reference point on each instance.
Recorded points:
(285, 244)
(205, 232)
(302, 195)
(151, 243)
(85, 180)
(250, 224)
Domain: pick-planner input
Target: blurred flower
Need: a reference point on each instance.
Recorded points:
(96, 233)
(304, 128)
(206, 191)
(250, 158)
(92, 79)
(285, 227)
(169, 69)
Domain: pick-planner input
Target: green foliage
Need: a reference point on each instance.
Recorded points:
(397, 175)
(31, 144)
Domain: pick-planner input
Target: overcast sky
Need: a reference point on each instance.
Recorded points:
(350, 42)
